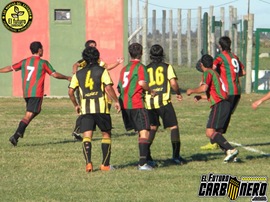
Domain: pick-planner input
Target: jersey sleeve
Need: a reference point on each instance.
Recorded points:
(142, 74)
(171, 73)
(106, 79)
(17, 66)
(48, 68)
(74, 83)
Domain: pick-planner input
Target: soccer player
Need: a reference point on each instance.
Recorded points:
(92, 82)
(258, 102)
(162, 78)
(230, 68)
(33, 74)
(133, 83)
(81, 64)
(215, 93)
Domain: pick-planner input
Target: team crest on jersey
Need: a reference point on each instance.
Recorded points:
(17, 16)
(222, 185)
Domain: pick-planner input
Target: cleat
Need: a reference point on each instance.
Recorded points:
(152, 163)
(89, 168)
(231, 154)
(77, 136)
(13, 141)
(236, 160)
(210, 146)
(145, 167)
(179, 160)
(106, 168)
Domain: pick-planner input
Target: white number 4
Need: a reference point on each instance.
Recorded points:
(31, 70)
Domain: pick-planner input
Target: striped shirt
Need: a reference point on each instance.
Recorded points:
(131, 93)
(33, 74)
(159, 75)
(216, 91)
(91, 81)
(230, 69)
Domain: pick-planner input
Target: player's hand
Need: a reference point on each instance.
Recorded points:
(189, 92)
(197, 98)
(256, 104)
(117, 107)
(153, 93)
(120, 60)
(78, 109)
(179, 97)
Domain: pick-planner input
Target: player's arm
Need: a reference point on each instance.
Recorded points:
(260, 101)
(112, 66)
(146, 87)
(75, 67)
(73, 100)
(58, 75)
(176, 88)
(110, 91)
(201, 89)
(6, 69)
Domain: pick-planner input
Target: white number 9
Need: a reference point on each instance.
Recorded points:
(235, 65)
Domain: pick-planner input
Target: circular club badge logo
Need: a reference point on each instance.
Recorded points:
(17, 16)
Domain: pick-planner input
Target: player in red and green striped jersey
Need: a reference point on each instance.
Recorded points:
(230, 68)
(33, 71)
(216, 94)
(133, 82)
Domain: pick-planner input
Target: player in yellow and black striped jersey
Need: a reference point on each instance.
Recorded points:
(162, 78)
(80, 65)
(94, 82)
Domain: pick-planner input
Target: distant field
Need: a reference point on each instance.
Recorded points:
(47, 165)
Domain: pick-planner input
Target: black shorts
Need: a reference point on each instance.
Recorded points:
(166, 113)
(127, 123)
(90, 121)
(137, 119)
(234, 100)
(33, 104)
(218, 115)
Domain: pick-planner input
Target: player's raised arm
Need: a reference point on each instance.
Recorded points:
(6, 69)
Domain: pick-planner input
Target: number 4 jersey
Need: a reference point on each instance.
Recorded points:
(33, 74)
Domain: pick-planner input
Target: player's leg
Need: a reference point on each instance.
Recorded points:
(104, 123)
(169, 119)
(33, 108)
(140, 120)
(216, 121)
(76, 131)
(154, 124)
(87, 125)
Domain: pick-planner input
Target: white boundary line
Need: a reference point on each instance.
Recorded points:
(250, 149)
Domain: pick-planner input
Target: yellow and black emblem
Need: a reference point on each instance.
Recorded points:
(233, 188)
(17, 16)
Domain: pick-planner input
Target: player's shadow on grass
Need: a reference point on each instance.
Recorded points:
(207, 156)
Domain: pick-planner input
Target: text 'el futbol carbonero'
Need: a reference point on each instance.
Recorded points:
(221, 185)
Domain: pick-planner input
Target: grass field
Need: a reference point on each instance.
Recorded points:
(47, 165)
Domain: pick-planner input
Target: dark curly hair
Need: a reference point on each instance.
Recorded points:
(156, 53)
(90, 55)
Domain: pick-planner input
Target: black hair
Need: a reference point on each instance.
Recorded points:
(135, 50)
(225, 43)
(90, 55)
(88, 42)
(156, 53)
(207, 61)
(35, 46)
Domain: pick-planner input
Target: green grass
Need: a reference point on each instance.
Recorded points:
(47, 165)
